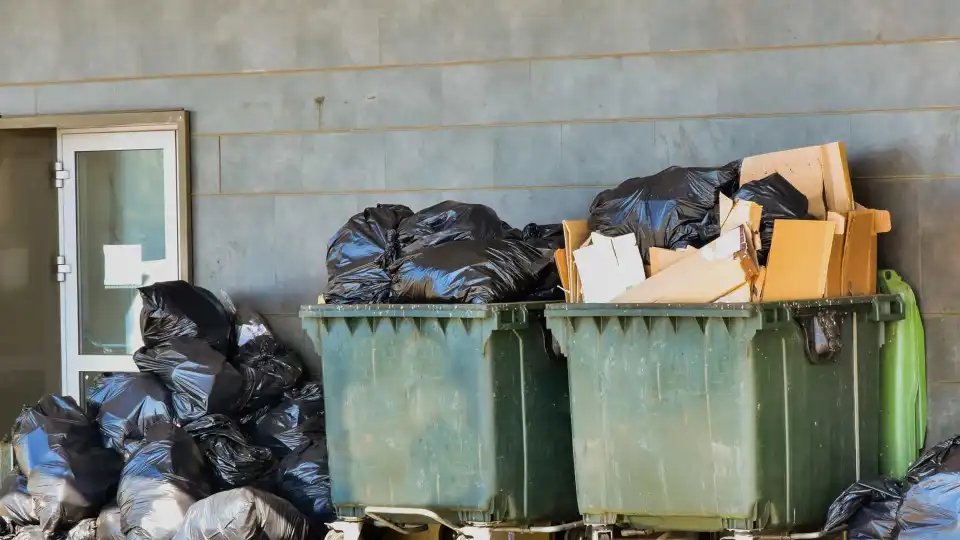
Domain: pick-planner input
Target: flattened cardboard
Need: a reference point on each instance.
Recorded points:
(717, 269)
(859, 274)
(661, 259)
(743, 213)
(819, 172)
(575, 233)
(740, 295)
(560, 259)
(609, 267)
(835, 270)
(799, 260)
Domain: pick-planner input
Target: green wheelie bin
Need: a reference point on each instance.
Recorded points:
(457, 414)
(722, 416)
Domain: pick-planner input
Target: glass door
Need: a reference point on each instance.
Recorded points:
(119, 231)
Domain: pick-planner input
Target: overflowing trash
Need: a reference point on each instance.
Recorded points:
(451, 252)
(923, 506)
(165, 453)
(778, 199)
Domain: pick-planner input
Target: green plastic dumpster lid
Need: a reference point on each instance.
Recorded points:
(447, 311)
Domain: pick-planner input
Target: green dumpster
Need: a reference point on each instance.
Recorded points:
(713, 417)
(461, 410)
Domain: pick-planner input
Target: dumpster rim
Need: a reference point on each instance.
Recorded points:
(451, 311)
(732, 310)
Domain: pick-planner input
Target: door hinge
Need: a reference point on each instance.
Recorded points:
(59, 174)
(62, 268)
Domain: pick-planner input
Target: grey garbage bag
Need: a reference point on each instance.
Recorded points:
(108, 524)
(17, 508)
(243, 514)
(85, 530)
(160, 483)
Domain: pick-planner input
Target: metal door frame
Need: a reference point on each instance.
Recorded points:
(177, 121)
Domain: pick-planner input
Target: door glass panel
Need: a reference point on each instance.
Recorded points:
(121, 243)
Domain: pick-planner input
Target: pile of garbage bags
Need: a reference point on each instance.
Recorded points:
(217, 436)
(923, 506)
(451, 252)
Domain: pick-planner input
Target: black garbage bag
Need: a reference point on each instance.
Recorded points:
(70, 476)
(73, 484)
(244, 514)
(359, 254)
(547, 238)
(200, 378)
(451, 221)
(53, 421)
(176, 309)
(672, 209)
(304, 480)
(294, 422)
(269, 367)
(85, 530)
(779, 200)
(235, 462)
(470, 272)
(17, 508)
(868, 509)
(160, 483)
(108, 524)
(125, 406)
(931, 504)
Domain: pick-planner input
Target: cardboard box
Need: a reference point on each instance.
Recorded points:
(713, 272)
(575, 234)
(661, 259)
(608, 267)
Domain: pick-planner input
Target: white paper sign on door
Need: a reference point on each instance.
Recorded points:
(122, 266)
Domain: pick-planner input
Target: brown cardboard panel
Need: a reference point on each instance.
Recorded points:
(575, 233)
(560, 259)
(741, 294)
(859, 274)
(661, 258)
(802, 167)
(837, 189)
(713, 272)
(835, 270)
(743, 213)
(757, 285)
(799, 260)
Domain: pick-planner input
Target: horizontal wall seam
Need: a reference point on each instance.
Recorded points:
(402, 191)
(620, 120)
(421, 65)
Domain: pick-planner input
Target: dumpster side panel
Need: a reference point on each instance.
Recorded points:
(663, 419)
(405, 421)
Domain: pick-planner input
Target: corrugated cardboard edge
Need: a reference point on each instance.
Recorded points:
(575, 233)
(560, 259)
(837, 188)
(859, 274)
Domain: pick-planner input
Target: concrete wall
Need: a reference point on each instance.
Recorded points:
(528, 106)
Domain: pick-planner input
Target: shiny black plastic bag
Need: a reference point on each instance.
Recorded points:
(672, 209)
(269, 367)
(176, 309)
(359, 254)
(17, 508)
(53, 421)
(779, 200)
(85, 530)
(294, 422)
(931, 505)
(200, 378)
(244, 514)
(34, 532)
(160, 483)
(470, 272)
(305, 481)
(235, 462)
(108, 524)
(126, 406)
(868, 509)
(69, 474)
(547, 238)
(451, 221)
(73, 484)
